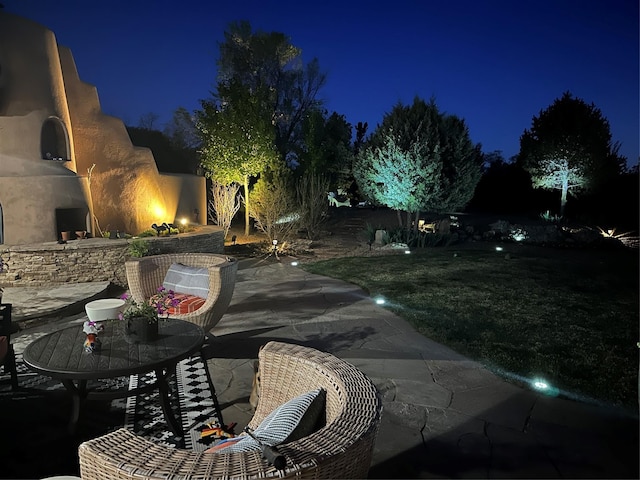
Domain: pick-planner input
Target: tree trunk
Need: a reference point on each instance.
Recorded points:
(416, 221)
(408, 227)
(247, 230)
(563, 196)
(399, 217)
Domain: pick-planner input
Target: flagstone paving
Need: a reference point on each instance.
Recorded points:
(444, 415)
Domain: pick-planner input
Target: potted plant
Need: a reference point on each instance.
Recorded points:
(141, 318)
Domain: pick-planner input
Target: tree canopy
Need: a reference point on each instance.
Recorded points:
(253, 120)
(327, 147)
(419, 159)
(271, 69)
(569, 148)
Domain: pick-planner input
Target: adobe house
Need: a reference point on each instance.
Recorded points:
(53, 132)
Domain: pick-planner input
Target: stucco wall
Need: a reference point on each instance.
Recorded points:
(21, 198)
(93, 259)
(31, 84)
(39, 85)
(191, 194)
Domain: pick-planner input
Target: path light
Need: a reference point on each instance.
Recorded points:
(499, 249)
(294, 264)
(539, 384)
(407, 252)
(380, 301)
(542, 386)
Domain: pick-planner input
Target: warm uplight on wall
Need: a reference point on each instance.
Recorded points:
(159, 212)
(183, 221)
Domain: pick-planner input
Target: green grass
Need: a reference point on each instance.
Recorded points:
(570, 317)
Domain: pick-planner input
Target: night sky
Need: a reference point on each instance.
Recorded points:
(495, 63)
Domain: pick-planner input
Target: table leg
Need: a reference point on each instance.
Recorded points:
(212, 388)
(165, 403)
(78, 393)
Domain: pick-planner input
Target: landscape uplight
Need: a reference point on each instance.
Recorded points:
(183, 221)
(499, 249)
(380, 301)
(294, 264)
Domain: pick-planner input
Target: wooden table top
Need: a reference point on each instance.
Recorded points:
(61, 354)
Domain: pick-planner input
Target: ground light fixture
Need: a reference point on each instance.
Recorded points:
(183, 221)
(407, 252)
(544, 387)
(499, 249)
(380, 301)
(294, 264)
(540, 384)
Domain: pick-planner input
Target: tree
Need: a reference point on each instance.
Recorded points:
(419, 159)
(169, 156)
(569, 148)
(182, 130)
(224, 204)
(311, 195)
(395, 177)
(327, 147)
(503, 188)
(237, 141)
(262, 94)
(271, 69)
(274, 207)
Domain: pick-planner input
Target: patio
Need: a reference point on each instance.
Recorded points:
(444, 415)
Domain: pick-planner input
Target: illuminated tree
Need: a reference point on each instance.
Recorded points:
(419, 159)
(569, 148)
(395, 177)
(237, 142)
(254, 118)
(224, 204)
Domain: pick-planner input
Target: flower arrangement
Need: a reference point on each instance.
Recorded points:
(150, 309)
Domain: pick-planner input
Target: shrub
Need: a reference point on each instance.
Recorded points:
(148, 233)
(550, 217)
(138, 248)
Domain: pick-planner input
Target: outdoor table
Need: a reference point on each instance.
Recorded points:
(61, 355)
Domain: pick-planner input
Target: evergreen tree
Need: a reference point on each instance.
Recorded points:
(419, 159)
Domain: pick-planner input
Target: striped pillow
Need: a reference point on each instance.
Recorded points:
(291, 421)
(184, 279)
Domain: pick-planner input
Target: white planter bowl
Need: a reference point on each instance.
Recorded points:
(104, 309)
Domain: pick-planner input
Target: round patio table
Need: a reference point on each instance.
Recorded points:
(61, 355)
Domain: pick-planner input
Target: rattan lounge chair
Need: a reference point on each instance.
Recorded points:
(145, 275)
(341, 449)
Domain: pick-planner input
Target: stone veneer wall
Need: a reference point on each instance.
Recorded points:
(93, 259)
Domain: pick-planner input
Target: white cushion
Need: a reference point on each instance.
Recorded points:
(291, 421)
(190, 280)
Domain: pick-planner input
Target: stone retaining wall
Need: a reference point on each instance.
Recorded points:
(93, 259)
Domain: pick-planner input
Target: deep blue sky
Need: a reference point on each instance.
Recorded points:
(495, 63)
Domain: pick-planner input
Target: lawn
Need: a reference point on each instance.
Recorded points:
(568, 316)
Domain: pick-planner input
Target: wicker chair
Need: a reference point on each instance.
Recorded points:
(145, 275)
(341, 449)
